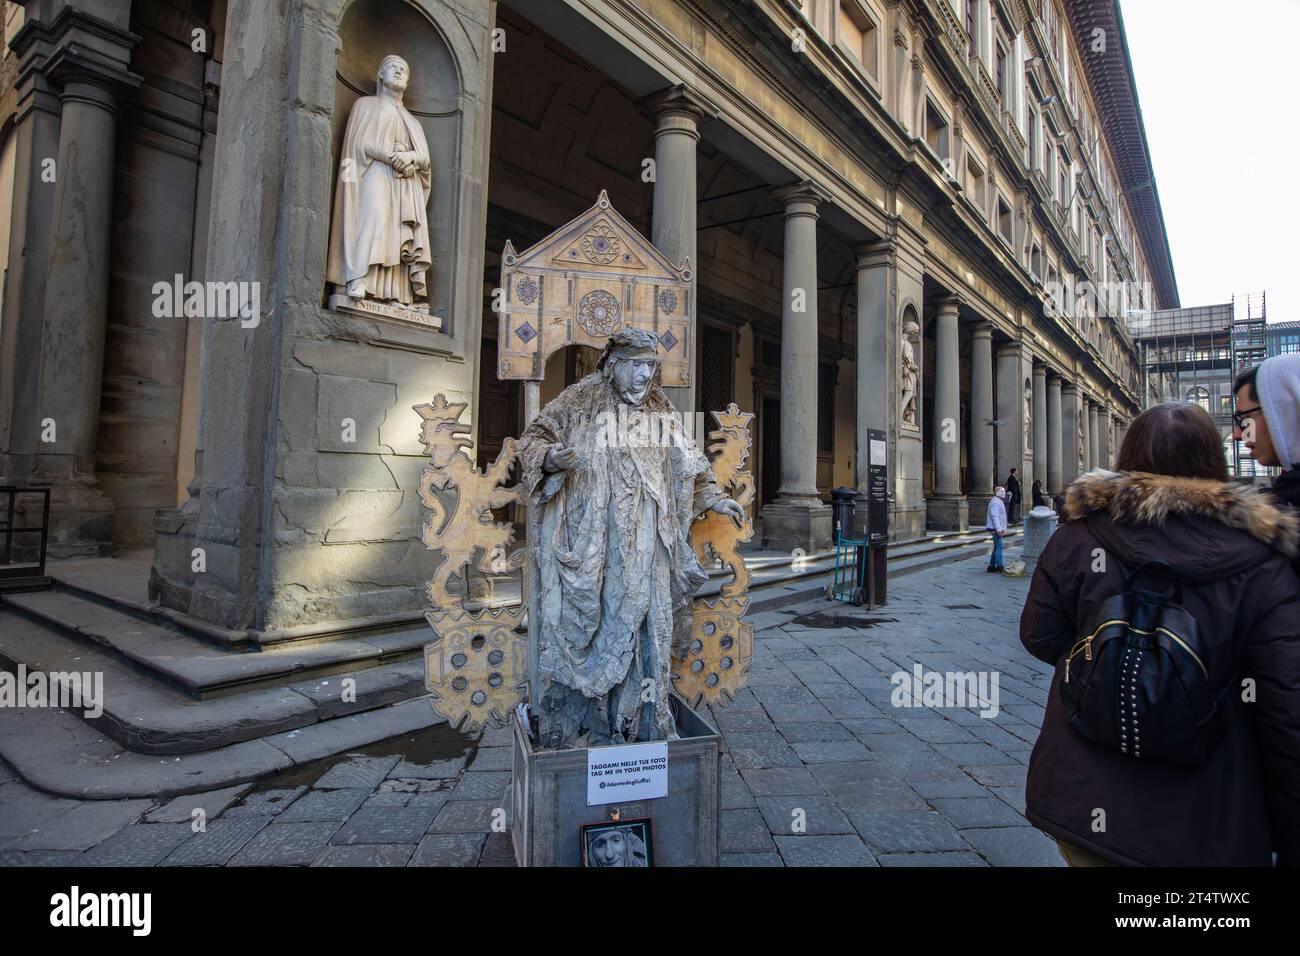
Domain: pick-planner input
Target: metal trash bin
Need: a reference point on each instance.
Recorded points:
(842, 508)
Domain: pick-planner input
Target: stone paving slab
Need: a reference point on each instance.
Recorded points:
(285, 844)
(263, 802)
(181, 809)
(369, 856)
(326, 806)
(368, 772)
(959, 858)
(385, 825)
(1015, 846)
(905, 831)
(966, 812)
(743, 831)
(218, 843)
(448, 849)
(465, 816)
(142, 844)
(824, 851)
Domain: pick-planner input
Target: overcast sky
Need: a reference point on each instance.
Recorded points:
(1217, 84)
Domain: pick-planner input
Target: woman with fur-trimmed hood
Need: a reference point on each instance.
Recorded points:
(1230, 546)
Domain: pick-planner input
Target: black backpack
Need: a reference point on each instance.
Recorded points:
(1136, 681)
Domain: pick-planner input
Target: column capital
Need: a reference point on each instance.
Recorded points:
(1040, 369)
(1069, 387)
(801, 194)
(1009, 348)
(89, 79)
(875, 253)
(679, 103)
(948, 304)
(982, 328)
(1054, 377)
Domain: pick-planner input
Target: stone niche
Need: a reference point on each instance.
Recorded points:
(369, 31)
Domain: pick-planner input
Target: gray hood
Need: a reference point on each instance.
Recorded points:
(1278, 385)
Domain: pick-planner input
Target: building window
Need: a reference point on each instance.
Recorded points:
(1036, 260)
(1031, 137)
(936, 130)
(975, 181)
(856, 33)
(1004, 220)
(1199, 395)
(972, 48)
(1000, 71)
(1063, 177)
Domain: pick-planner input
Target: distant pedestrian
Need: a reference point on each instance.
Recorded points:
(996, 522)
(1013, 497)
(1169, 608)
(1058, 504)
(1268, 421)
(1039, 499)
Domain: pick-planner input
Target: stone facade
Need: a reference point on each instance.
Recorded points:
(833, 169)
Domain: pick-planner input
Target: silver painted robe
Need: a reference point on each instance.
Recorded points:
(611, 570)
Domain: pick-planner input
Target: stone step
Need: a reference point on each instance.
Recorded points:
(56, 751)
(203, 671)
(147, 716)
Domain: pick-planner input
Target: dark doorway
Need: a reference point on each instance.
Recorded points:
(771, 477)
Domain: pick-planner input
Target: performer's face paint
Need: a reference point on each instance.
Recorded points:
(632, 378)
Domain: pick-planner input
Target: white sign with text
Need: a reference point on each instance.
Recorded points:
(627, 772)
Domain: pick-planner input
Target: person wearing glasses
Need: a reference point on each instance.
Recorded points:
(1267, 420)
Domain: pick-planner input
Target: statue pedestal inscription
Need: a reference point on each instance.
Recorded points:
(549, 799)
(386, 310)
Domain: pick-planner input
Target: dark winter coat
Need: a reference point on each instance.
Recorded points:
(1287, 490)
(1013, 488)
(1230, 546)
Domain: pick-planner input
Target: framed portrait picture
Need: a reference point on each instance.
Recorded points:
(618, 843)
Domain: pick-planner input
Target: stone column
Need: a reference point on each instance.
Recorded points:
(981, 418)
(1010, 433)
(76, 303)
(1040, 431)
(1054, 437)
(947, 510)
(874, 262)
(798, 518)
(677, 113)
(35, 138)
(1103, 437)
(1071, 433)
(1094, 438)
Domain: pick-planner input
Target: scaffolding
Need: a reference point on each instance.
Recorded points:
(1200, 350)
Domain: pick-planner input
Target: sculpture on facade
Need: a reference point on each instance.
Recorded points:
(1029, 415)
(611, 567)
(379, 243)
(1078, 435)
(910, 373)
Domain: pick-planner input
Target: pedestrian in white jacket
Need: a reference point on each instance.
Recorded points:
(996, 524)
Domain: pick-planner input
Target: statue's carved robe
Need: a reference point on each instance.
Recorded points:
(381, 219)
(612, 571)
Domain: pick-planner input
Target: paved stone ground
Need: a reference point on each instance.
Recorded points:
(820, 769)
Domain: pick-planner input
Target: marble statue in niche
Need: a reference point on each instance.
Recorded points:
(1029, 415)
(379, 243)
(909, 373)
(612, 570)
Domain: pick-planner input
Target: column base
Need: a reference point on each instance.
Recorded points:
(947, 513)
(977, 507)
(171, 579)
(81, 520)
(790, 523)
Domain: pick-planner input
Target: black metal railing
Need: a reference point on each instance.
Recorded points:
(21, 556)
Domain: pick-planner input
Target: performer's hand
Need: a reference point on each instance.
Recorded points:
(729, 507)
(560, 458)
